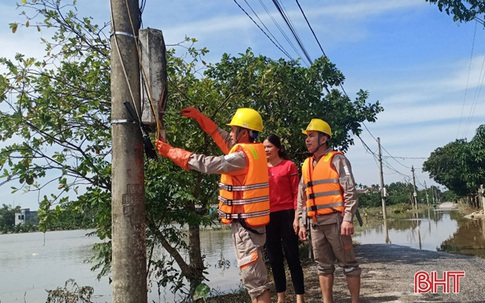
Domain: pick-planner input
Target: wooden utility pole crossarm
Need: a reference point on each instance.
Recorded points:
(129, 283)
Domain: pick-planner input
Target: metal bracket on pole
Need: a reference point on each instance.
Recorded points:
(123, 34)
(122, 121)
(147, 143)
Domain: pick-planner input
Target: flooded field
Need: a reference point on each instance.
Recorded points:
(430, 229)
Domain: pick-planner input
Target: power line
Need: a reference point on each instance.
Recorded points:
(479, 20)
(467, 81)
(345, 93)
(309, 25)
(272, 41)
(292, 29)
(394, 158)
(408, 158)
(473, 107)
(280, 29)
(288, 22)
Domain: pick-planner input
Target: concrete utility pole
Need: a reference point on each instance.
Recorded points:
(383, 189)
(383, 193)
(482, 197)
(415, 194)
(128, 193)
(426, 190)
(154, 72)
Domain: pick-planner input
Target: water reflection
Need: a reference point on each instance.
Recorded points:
(31, 263)
(430, 230)
(469, 239)
(219, 259)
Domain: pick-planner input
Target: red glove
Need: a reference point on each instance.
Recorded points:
(163, 147)
(177, 155)
(205, 123)
(191, 112)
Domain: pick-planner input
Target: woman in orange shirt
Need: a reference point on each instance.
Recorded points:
(280, 235)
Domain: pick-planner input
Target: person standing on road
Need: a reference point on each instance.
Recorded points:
(327, 197)
(244, 189)
(280, 236)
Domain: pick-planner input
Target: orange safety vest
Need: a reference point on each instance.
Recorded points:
(323, 191)
(249, 200)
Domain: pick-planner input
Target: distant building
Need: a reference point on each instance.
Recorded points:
(25, 215)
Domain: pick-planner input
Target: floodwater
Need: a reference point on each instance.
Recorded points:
(32, 263)
(430, 229)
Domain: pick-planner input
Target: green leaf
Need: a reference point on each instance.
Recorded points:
(13, 27)
(201, 291)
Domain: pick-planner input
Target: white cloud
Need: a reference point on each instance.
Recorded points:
(360, 10)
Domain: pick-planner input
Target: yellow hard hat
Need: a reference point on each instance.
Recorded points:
(318, 125)
(247, 118)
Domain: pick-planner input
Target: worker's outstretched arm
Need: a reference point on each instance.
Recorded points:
(208, 126)
(177, 155)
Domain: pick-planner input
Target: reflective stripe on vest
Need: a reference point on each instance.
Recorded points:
(323, 191)
(243, 201)
(249, 200)
(242, 188)
(242, 216)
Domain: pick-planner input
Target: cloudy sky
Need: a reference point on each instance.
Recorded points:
(426, 70)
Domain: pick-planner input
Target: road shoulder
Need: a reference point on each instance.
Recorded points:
(388, 275)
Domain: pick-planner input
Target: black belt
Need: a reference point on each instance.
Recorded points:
(248, 228)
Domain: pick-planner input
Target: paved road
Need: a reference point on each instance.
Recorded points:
(388, 275)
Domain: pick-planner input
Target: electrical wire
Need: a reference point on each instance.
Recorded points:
(125, 74)
(388, 165)
(145, 77)
(473, 107)
(467, 82)
(288, 22)
(123, 67)
(266, 34)
(345, 93)
(311, 28)
(292, 29)
(280, 29)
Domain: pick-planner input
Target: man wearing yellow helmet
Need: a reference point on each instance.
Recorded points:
(327, 196)
(244, 189)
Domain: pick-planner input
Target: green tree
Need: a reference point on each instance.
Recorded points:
(399, 192)
(449, 196)
(477, 150)
(459, 165)
(57, 129)
(67, 216)
(257, 82)
(451, 166)
(462, 11)
(289, 96)
(369, 196)
(7, 218)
